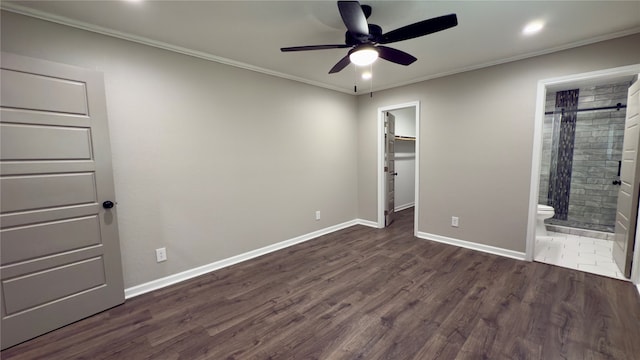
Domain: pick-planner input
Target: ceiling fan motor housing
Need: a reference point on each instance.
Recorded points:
(375, 34)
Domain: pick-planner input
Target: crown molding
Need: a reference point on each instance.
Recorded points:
(568, 46)
(22, 10)
(222, 60)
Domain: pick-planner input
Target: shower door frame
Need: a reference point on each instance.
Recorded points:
(600, 75)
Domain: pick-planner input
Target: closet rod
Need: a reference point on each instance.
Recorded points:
(617, 107)
(408, 138)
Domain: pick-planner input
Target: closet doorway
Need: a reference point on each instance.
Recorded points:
(405, 158)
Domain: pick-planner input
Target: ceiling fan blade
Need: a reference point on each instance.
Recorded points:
(395, 55)
(421, 28)
(340, 65)
(354, 19)
(366, 9)
(314, 47)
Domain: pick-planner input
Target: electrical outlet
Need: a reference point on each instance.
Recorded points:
(318, 215)
(161, 254)
(454, 221)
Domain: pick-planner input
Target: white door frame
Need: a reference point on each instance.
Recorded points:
(537, 149)
(381, 182)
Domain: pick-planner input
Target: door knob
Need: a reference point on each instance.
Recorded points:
(107, 204)
(617, 182)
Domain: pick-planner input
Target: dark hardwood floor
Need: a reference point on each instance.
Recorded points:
(364, 293)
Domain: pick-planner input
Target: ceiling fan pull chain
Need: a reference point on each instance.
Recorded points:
(355, 79)
(371, 81)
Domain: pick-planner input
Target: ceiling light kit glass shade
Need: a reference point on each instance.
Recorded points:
(363, 55)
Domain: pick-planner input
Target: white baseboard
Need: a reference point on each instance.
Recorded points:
(402, 207)
(368, 223)
(201, 270)
(638, 287)
(473, 246)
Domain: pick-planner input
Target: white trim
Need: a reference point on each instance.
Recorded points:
(536, 159)
(473, 246)
(162, 45)
(380, 171)
(201, 270)
(381, 182)
(536, 156)
(638, 287)
(405, 206)
(18, 9)
(368, 223)
(416, 212)
(513, 58)
(635, 262)
(621, 71)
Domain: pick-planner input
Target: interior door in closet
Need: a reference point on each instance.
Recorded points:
(389, 168)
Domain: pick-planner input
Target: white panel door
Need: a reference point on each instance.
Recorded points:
(389, 167)
(60, 254)
(627, 209)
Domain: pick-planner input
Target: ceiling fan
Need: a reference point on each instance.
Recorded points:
(364, 39)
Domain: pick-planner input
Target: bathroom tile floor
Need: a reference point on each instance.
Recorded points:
(577, 252)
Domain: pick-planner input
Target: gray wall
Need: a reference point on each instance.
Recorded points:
(405, 121)
(212, 161)
(209, 160)
(597, 150)
(476, 135)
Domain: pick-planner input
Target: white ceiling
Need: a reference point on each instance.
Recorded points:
(250, 34)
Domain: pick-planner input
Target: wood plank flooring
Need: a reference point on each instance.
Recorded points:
(364, 293)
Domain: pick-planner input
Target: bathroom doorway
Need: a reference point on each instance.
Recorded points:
(578, 137)
(406, 158)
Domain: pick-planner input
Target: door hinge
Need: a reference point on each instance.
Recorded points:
(386, 212)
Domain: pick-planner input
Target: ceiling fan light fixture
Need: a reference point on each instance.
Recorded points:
(363, 55)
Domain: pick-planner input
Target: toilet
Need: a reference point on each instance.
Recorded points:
(544, 212)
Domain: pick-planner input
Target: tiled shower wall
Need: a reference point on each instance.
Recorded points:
(597, 150)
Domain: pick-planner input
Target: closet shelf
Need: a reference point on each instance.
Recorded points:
(406, 138)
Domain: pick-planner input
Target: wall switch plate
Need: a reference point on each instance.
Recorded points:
(161, 254)
(454, 221)
(318, 215)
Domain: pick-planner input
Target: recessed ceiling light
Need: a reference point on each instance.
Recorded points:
(533, 27)
(366, 75)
